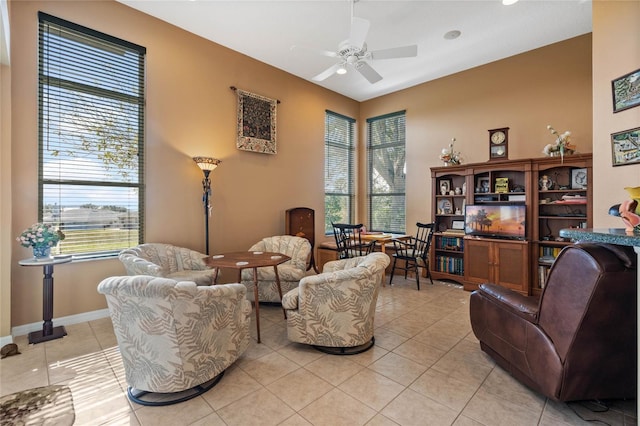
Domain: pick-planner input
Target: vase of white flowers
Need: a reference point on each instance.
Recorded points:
(41, 237)
(449, 156)
(562, 145)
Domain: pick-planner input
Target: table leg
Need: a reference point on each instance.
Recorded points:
(275, 269)
(256, 302)
(49, 332)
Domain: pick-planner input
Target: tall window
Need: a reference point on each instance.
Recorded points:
(386, 172)
(339, 173)
(91, 118)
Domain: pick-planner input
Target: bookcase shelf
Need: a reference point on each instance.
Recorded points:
(557, 194)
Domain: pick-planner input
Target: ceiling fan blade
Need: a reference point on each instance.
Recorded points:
(368, 72)
(326, 73)
(359, 30)
(315, 51)
(396, 52)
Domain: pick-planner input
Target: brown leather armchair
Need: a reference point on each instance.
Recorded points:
(578, 340)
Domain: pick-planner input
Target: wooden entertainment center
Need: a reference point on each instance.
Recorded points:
(556, 193)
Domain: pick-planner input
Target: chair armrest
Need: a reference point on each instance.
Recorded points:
(138, 266)
(405, 242)
(523, 306)
(290, 299)
(342, 264)
(328, 288)
(403, 246)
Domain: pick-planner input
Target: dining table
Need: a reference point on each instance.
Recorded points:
(382, 239)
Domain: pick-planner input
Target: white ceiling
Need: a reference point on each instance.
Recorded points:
(266, 30)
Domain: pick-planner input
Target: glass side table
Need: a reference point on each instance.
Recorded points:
(48, 332)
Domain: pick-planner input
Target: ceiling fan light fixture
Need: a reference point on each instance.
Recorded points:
(342, 70)
(509, 2)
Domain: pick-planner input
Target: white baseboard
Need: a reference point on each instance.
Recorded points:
(68, 320)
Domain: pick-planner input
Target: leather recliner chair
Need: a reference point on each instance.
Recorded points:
(578, 340)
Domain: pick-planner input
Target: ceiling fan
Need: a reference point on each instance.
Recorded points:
(353, 52)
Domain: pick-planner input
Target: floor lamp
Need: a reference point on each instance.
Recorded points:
(206, 164)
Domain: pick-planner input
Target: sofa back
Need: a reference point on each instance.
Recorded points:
(297, 248)
(588, 306)
(168, 258)
(175, 335)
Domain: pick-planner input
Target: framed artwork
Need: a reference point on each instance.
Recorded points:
(445, 206)
(483, 185)
(445, 186)
(578, 178)
(626, 91)
(625, 147)
(457, 224)
(256, 123)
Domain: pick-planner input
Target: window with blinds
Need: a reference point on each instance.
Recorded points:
(91, 138)
(339, 170)
(386, 172)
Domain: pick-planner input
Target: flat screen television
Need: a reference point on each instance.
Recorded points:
(496, 221)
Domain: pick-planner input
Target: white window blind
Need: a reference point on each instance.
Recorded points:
(386, 172)
(339, 170)
(91, 137)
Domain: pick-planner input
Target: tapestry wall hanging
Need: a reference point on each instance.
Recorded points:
(256, 122)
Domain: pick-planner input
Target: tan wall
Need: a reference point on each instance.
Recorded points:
(190, 111)
(616, 47)
(550, 85)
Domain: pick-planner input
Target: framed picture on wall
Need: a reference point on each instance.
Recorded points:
(625, 147)
(626, 91)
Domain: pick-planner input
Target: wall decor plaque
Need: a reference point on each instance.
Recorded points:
(256, 122)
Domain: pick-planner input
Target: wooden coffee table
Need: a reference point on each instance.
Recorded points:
(250, 260)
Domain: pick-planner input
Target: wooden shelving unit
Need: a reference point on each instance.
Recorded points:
(517, 264)
(564, 203)
(447, 254)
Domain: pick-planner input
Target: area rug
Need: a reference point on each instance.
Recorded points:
(47, 405)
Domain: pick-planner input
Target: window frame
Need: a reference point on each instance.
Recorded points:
(50, 89)
(373, 146)
(348, 146)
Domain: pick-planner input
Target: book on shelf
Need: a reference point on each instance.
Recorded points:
(450, 243)
(549, 252)
(543, 274)
(450, 265)
(517, 197)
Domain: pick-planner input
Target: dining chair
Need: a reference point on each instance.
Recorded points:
(349, 241)
(414, 252)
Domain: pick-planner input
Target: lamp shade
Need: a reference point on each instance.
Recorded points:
(207, 163)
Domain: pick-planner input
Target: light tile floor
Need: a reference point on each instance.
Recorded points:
(425, 369)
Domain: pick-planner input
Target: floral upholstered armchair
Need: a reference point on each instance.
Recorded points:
(166, 260)
(289, 272)
(334, 311)
(175, 338)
